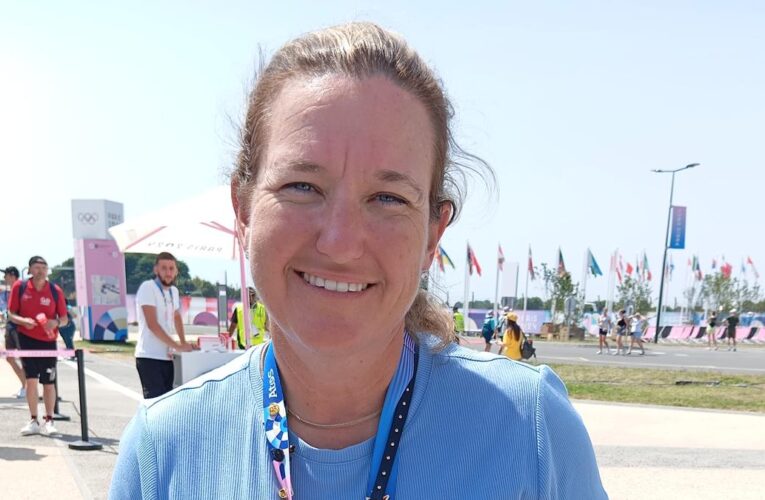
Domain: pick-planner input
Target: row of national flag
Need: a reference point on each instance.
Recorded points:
(641, 268)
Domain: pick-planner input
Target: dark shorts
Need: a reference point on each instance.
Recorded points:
(11, 338)
(732, 333)
(43, 369)
(156, 376)
(487, 337)
(602, 332)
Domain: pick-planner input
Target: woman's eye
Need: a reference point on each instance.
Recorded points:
(390, 199)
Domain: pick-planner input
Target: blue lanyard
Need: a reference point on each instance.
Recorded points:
(162, 290)
(381, 484)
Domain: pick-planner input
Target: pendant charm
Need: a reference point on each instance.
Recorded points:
(273, 409)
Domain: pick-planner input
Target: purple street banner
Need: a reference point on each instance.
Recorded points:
(677, 238)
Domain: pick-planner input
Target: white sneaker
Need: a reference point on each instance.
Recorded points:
(48, 428)
(33, 427)
(22, 393)
(599, 352)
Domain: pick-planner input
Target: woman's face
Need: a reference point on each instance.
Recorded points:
(339, 228)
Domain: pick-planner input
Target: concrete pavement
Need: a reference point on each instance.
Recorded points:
(643, 451)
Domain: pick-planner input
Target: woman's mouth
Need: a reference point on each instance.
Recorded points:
(332, 285)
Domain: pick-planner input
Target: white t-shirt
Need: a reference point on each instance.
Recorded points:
(166, 302)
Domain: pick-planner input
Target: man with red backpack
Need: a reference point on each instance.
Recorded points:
(37, 307)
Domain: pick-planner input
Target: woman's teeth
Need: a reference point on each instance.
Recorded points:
(334, 286)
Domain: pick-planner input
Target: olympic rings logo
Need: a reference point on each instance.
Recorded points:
(87, 217)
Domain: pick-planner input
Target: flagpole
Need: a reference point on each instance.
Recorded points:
(466, 304)
(526, 296)
(584, 280)
(610, 289)
(496, 291)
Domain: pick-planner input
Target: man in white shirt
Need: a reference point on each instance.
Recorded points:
(158, 306)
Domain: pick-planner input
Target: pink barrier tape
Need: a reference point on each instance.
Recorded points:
(14, 353)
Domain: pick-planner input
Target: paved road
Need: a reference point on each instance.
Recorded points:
(747, 359)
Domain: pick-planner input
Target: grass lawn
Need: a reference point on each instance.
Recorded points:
(696, 389)
(119, 350)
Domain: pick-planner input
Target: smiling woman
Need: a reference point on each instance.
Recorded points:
(343, 187)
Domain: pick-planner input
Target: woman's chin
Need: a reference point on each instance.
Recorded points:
(329, 337)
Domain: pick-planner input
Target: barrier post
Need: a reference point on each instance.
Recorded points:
(56, 414)
(84, 443)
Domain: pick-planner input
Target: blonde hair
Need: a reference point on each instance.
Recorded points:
(361, 50)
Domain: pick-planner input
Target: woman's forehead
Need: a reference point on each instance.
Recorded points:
(340, 119)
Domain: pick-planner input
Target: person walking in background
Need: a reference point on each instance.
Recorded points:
(488, 330)
(639, 325)
(159, 316)
(512, 338)
(38, 309)
(731, 333)
(67, 332)
(258, 318)
(621, 331)
(711, 331)
(604, 328)
(11, 275)
(501, 326)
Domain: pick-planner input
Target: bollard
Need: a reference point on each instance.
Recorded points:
(84, 443)
(56, 414)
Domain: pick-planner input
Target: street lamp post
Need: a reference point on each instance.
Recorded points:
(666, 244)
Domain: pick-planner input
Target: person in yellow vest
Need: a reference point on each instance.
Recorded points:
(459, 323)
(259, 319)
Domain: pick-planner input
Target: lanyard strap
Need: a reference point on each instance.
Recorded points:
(169, 309)
(381, 484)
(275, 418)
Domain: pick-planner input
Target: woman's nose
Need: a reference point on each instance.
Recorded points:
(342, 232)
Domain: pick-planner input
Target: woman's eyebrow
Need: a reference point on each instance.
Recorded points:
(401, 178)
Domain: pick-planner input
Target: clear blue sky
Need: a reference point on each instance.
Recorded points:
(572, 103)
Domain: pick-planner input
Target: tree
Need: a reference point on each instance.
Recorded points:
(558, 287)
(723, 293)
(139, 267)
(63, 276)
(532, 304)
(635, 292)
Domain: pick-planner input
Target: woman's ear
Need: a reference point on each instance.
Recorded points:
(436, 229)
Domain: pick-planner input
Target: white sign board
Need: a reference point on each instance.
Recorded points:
(509, 282)
(91, 219)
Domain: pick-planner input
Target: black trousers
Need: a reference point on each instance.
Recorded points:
(156, 376)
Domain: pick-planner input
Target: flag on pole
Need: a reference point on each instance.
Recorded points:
(696, 268)
(472, 261)
(629, 269)
(592, 264)
(500, 257)
(646, 269)
(671, 267)
(620, 270)
(531, 267)
(756, 274)
(726, 270)
(443, 259)
(714, 264)
(743, 267)
(561, 264)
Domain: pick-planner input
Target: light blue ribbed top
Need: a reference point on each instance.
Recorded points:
(480, 426)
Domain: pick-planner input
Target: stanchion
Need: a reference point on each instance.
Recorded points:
(84, 443)
(56, 414)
